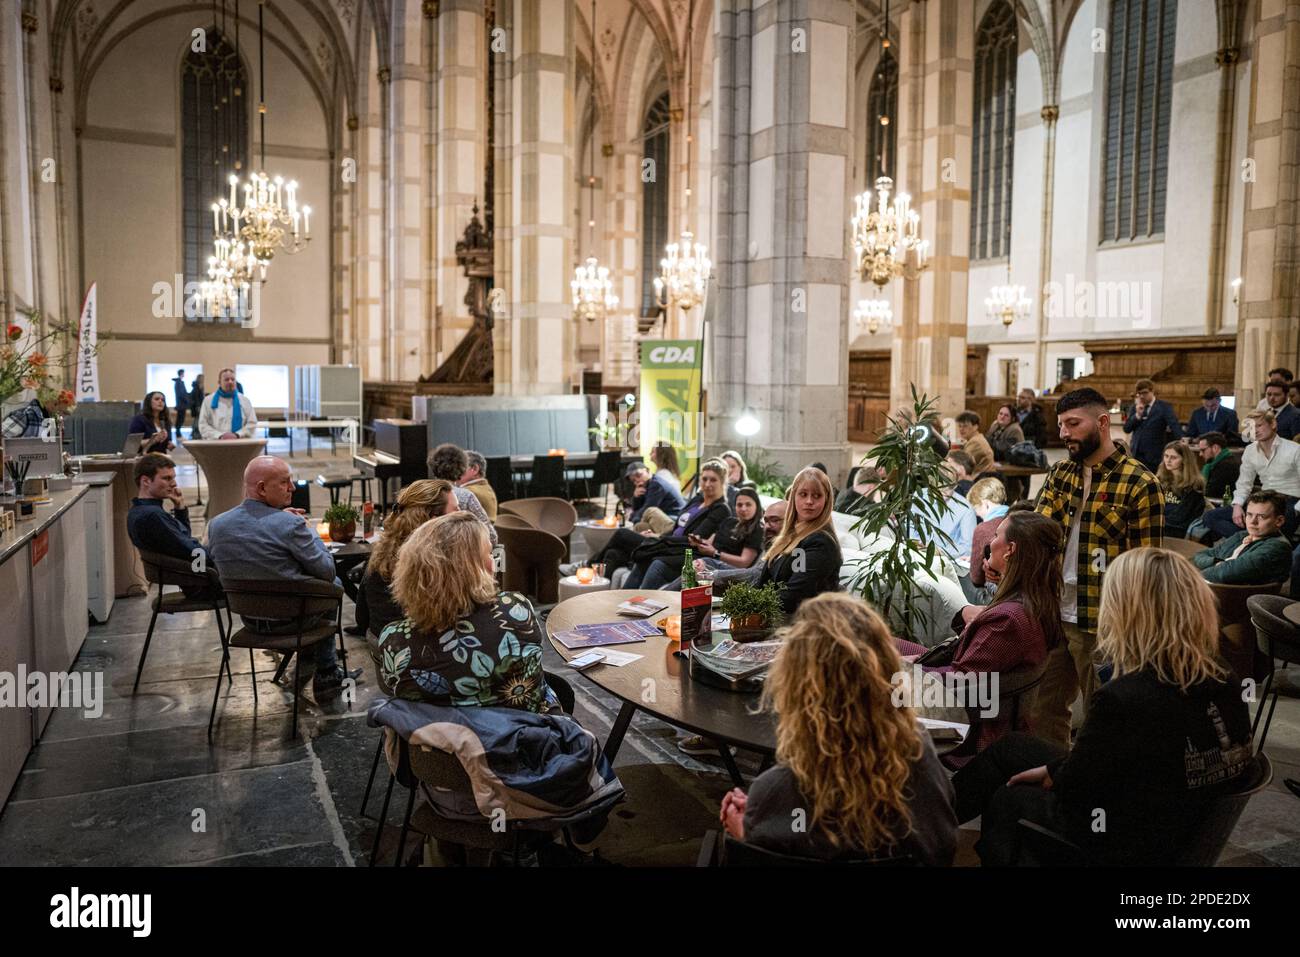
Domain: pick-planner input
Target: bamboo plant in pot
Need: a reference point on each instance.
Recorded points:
(903, 517)
(342, 521)
(754, 612)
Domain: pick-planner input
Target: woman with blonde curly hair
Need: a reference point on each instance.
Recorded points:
(418, 503)
(461, 643)
(856, 776)
(804, 559)
(1162, 739)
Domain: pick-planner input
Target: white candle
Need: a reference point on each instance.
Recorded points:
(306, 220)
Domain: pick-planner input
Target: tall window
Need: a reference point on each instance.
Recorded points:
(214, 141)
(654, 200)
(1139, 81)
(882, 103)
(994, 133)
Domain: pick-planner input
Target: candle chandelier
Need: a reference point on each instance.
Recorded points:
(1008, 302)
(246, 237)
(593, 290)
(873, 315)
(685, 269)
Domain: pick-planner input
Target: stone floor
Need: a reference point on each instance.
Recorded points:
(141, 784)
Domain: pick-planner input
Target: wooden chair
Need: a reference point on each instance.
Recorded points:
(164, 570)
(533, 561)
(720, 849)
(1236, 633)
(297, 601)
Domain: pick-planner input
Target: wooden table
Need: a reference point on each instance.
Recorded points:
(223, 462)
(572, 460)
(658, 684)
(1019, 476)
(1292, 613)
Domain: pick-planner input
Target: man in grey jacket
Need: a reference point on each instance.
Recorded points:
(263, 539)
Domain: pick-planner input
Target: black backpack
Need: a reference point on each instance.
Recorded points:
(1027, 454)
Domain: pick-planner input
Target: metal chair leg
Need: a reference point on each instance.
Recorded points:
(1263, 693)
(370, 782)
(1267, 721)
(383, 817)
(252, 666)
(225, 649)
(406, 825)
(297, 663)
(139, 670)
(216, 691)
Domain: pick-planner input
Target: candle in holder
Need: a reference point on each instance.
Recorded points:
(672, 626)
(586, 575)
(609, 521)
(323, 530)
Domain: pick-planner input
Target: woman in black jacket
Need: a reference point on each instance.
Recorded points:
(1165, 737)
(702, 516)
(1180, 479)
(804, 558)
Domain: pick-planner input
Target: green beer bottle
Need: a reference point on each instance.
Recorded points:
(688, 571)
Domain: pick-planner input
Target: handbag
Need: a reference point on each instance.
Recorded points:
(941, 654)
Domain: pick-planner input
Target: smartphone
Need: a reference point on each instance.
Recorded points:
(586, 660)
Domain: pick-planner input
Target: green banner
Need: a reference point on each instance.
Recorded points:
(671, 380)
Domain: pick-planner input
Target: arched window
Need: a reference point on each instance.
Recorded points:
(994, 132)
(214, 141)
(654, 200)
(1139, 81)
(882, 103)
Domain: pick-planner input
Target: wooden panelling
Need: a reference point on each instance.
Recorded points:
(1182, 368)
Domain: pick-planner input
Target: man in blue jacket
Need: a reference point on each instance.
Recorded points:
(153, 529)
(1288, 417)
(1153, 425)
(1212, 417)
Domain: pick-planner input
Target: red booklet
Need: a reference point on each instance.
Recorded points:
(697, 615)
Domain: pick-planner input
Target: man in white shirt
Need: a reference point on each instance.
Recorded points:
(226, 413)
(1275, 461)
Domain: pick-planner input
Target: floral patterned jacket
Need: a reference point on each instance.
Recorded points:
(491, 657)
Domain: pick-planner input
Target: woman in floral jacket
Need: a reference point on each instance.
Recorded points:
(461, 643)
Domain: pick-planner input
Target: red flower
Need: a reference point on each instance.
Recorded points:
(15, 332)
(37, 359)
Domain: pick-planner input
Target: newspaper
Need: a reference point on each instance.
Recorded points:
(734, 659)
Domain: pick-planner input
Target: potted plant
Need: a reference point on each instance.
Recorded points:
(754, 612)
(767, 476)
(342, 522)
(903, 517)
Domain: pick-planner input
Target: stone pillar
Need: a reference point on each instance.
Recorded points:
(1268, 325)
(934, 96)
(534, 354)
(782, 189)
(1050, 114)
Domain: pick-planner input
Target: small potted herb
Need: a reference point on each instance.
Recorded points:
(342, 522)
(754, 612)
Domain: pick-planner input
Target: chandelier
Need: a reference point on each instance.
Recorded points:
(1008, 303)
(683, 273)
(883, 236)
(231, 272)
(593, 290)
(873, 314)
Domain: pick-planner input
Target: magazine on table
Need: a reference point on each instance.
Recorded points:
(642, 607)
(610, 633)
(738, 659)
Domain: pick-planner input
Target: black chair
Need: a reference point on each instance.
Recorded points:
(548, 478)
(1277, 640)
(1017, 690)
(336, 484)
(164, 570)
(1201, 847)
(284, 600)
(720, 849)
(501, 477)
(607, 470)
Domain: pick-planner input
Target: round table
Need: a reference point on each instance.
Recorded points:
(1292, 613)
(658, 683)
(223, 462)
(570, 587)
(596, 535)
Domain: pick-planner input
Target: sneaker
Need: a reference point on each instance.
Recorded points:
(333, 679)
(696, 745)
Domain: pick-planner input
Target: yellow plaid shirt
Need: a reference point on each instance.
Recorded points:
(1125, 509)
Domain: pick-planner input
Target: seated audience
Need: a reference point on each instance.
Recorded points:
(418, 503)
(963, 469)
(227, 413)
(1220, 466)
(657, 499)
(735, 544)
(1005, 433)
(724, 575)
(656, 559)
(1211, 417)
(804, 558)
(865, 481)
(1257, 555)
(1151, 424)
(153, 529)
(737, 476)
(862, 770)
(988, 498)
(262, 539)
(958, 519)
(973, 442)
(1293, 393)
(1022, 623)
(462, 644)
(154, 422)
(474, 478)
(1275, 461)
(1286, 376)
(1161, 740)
(449, 462)
(1031, 418)
(1288, 416)
(1183, 486)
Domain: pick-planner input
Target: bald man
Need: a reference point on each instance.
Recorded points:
(265, 540)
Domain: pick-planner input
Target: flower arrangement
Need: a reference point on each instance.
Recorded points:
(25, 363)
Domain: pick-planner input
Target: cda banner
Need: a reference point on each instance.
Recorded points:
(86, 388)
(671, 380)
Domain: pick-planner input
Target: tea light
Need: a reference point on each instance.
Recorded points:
(609, 521)
(323, 530)
(672, 626)
(586, 575)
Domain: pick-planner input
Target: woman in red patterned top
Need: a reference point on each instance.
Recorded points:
(1020, 625)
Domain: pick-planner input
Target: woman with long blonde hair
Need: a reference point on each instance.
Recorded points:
(1180, 479)
(805, 558)
(856, 776)
(418, 503)
(1166, 736)
(461, 643)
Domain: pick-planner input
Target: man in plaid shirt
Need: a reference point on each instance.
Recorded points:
(1107, 502)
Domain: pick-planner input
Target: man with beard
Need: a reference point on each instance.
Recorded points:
(1107, 502)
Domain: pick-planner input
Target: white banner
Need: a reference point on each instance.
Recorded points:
(86, 388)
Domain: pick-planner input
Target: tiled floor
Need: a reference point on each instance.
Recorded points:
(141, 784)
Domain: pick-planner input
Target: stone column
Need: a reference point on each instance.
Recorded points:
(934, 96)
(534, 354)
(1050, 114)
(782, 187)
(1268, 325)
